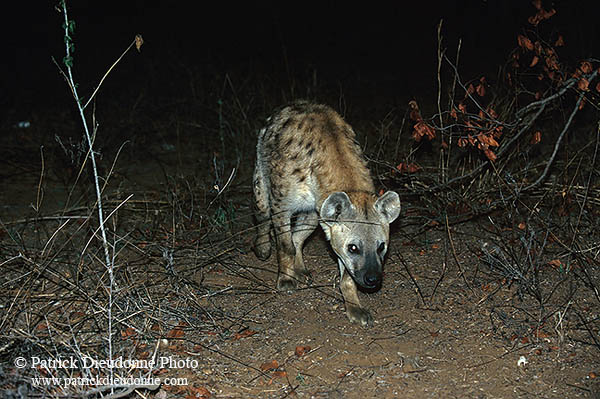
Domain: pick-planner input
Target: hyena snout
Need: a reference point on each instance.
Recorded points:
(372, 280)
(369, 277)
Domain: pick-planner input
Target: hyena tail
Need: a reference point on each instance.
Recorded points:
(262, 212)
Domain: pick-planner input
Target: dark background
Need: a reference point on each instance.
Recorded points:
(367, 48)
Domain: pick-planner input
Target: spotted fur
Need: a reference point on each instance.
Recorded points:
(309, 171)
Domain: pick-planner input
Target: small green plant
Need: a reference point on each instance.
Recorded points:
(225, 215)
(90, 135)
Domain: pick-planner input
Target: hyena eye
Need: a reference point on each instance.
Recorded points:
(353, 249)
(381, 248)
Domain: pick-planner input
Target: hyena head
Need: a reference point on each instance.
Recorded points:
(357, 226)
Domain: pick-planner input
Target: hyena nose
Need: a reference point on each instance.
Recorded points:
(372, 279)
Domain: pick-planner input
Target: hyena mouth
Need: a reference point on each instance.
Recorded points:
(370, 281)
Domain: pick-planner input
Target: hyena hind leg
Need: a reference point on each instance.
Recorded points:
(302, 228)
(262, 213)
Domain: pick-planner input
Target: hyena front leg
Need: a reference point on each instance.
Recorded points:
(303, 227)
(286, 251)
(355, 313)
(262, 212)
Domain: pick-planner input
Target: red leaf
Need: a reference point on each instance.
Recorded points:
(412, 168)
(301, 350)
(453, 114)
(548, 14)
(422, 129)
(198, 393)
(559, 42)
(488, 139)
(417, 136)
(415, 114)
(498, 131)
(472, 126)
(128, 332)
(592, 375)
(243, 334)
(408, 167)
(480, 90)
(586, 67)
(471, 139)
(541, 15)
(470, 88)
(524, 42)
(536, 138)
(556, 263)
(534, 19)
(552, 63)
(534, 61)
(541, 334)
(490, 155)
(583, 84)
(177, 332)
(272, 365)
(138, 42)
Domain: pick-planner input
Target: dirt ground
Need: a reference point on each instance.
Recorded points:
(445, 326)
(500, 305)
(491, 285)
(466, 342)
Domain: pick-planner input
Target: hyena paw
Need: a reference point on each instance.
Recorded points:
(359, 315)
(262, 250)
(304, 274)
(289, 281)
(286, 283)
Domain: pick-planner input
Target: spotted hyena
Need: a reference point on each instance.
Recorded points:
(309, 171)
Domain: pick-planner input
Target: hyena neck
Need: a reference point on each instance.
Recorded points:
(356, 181)
(347, 173)
(352, 192)
(339, 165)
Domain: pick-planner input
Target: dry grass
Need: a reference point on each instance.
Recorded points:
(515, 240)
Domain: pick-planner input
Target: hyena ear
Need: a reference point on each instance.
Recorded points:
(388, 205)
(336, 204)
